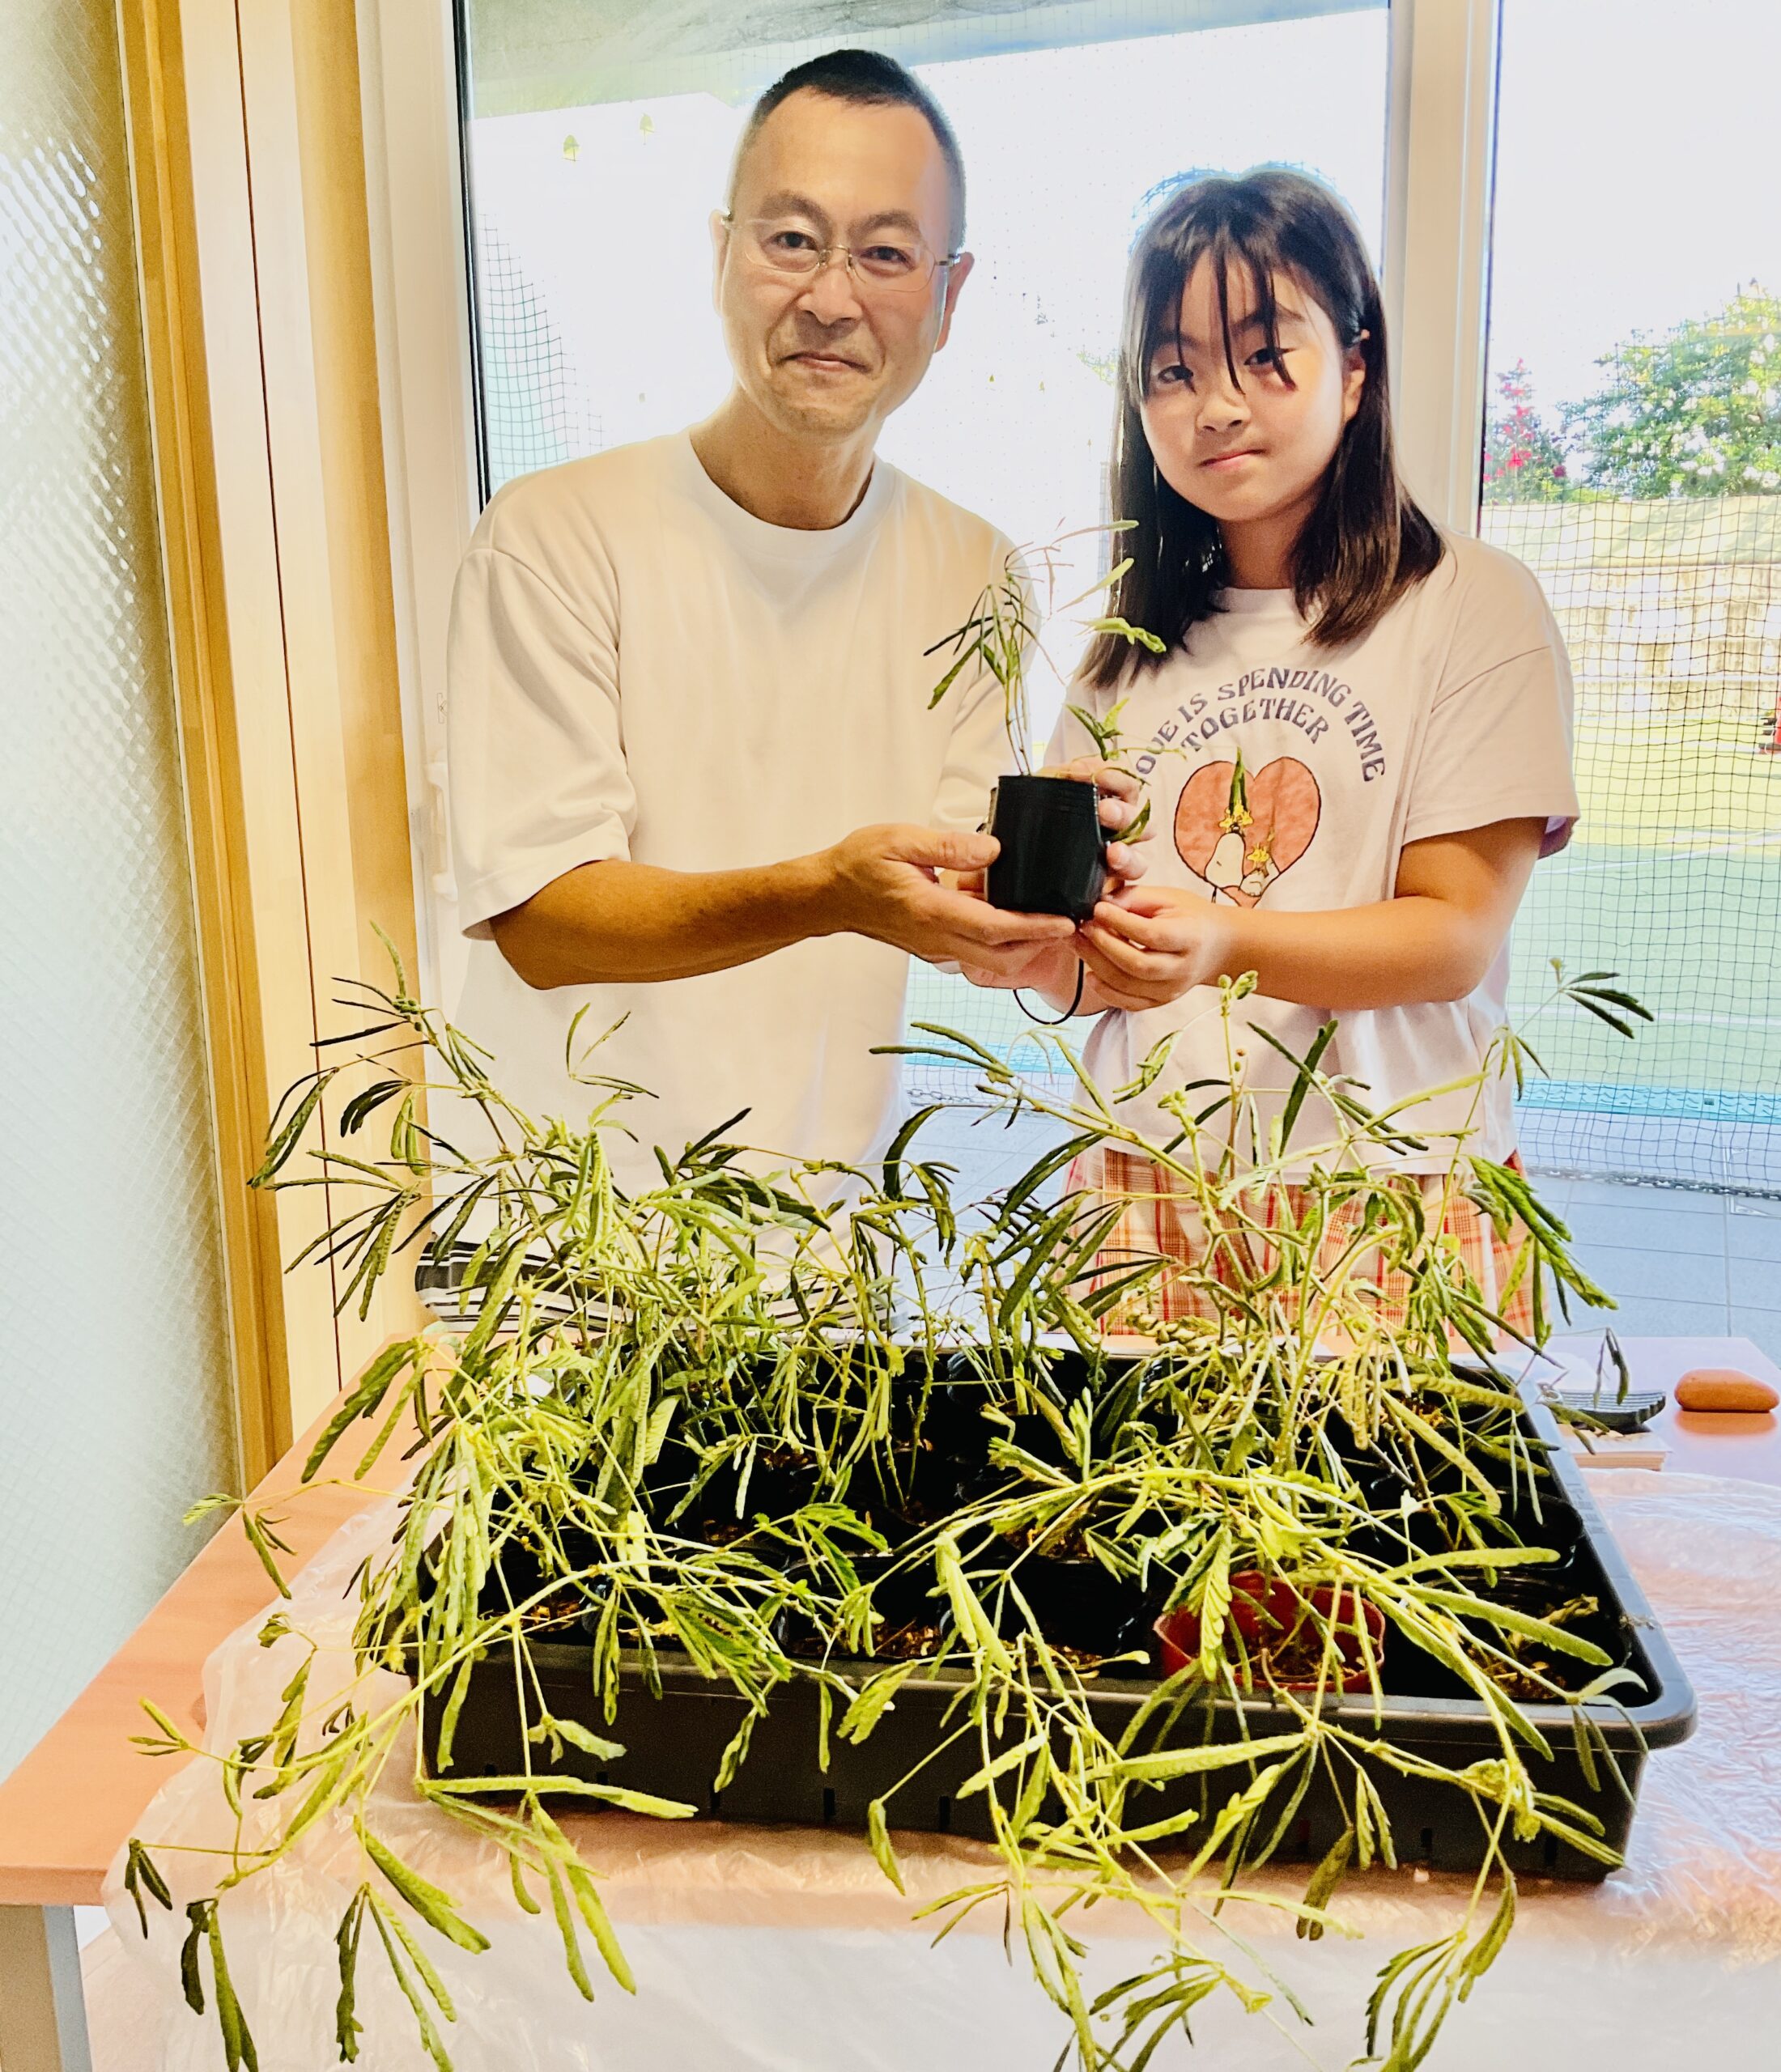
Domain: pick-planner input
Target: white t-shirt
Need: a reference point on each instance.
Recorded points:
(1453, 712)
(640, 668)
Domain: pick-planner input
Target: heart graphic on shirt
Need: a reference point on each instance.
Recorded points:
(1239, 832)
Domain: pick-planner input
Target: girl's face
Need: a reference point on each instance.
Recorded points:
(1252, 452)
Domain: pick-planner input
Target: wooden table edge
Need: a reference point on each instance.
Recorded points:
(59, 1829)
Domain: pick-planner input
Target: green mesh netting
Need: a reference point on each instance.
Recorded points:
(1672, 611)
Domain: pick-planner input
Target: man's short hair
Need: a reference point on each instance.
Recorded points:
(867, 79)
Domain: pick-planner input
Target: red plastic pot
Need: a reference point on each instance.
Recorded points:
(1275, 1620)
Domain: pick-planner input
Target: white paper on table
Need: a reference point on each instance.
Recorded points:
(784, 1949)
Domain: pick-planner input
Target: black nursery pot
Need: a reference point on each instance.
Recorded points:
(1053, 857)
(1080, 1606)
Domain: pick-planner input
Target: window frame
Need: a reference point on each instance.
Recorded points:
(1441, 108)
(243, 129)
(1440, 170)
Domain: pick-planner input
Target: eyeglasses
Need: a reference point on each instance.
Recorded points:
(893, 265)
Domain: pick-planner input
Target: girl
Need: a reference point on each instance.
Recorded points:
(1356, 745)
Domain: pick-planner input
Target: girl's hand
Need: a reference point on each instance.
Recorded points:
(1122, 800)
(1153, 945)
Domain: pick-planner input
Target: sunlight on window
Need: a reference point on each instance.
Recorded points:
(594, 269)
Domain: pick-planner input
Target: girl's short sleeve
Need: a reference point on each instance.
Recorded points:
(1498, 742)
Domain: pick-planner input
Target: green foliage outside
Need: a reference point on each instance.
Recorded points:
(1693, 411)
(1696, 412)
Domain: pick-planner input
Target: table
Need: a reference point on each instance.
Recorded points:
(70, 1805)
(70, 1808)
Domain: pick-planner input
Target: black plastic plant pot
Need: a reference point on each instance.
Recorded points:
(1053, 855)
(906, 1614)
(674, 1720)
(922, 1484)
(778, 1482)
(1081, 1606)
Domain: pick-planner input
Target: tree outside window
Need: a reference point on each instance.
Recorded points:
(1694, 411)
(1523, 460)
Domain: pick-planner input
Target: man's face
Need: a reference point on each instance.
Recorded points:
(831, 355)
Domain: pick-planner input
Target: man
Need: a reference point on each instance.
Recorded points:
(696, 786)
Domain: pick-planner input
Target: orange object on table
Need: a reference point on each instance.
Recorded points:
(1723, 1389)
(1744, 1445)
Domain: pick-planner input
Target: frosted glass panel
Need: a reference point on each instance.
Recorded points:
(114, 1403)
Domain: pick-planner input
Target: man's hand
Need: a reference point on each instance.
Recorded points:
(1151, 946)
(886, 882)
(1049, 971)
(1050, 968)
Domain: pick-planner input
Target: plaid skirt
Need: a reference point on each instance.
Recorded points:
(1158, 1218)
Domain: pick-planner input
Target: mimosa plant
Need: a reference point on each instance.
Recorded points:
(689, 1425)
(1005, 630)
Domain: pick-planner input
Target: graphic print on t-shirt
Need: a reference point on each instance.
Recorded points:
(1237, 834)
(1239, 828)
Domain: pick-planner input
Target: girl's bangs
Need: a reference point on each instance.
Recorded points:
(1165, 265)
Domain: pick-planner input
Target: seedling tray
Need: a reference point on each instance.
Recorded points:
(674, 1743)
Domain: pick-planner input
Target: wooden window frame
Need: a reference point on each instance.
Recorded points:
(252, 239)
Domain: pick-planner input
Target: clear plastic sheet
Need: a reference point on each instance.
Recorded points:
(784, 1949)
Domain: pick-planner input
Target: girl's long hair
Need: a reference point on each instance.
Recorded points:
(1365, 543)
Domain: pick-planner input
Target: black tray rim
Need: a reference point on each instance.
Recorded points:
(1665, 1718)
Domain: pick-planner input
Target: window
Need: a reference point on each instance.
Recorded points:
(594, 163)
(1633, 459)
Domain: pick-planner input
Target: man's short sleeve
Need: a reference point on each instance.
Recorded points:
(536, 767)
(1498, 742)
